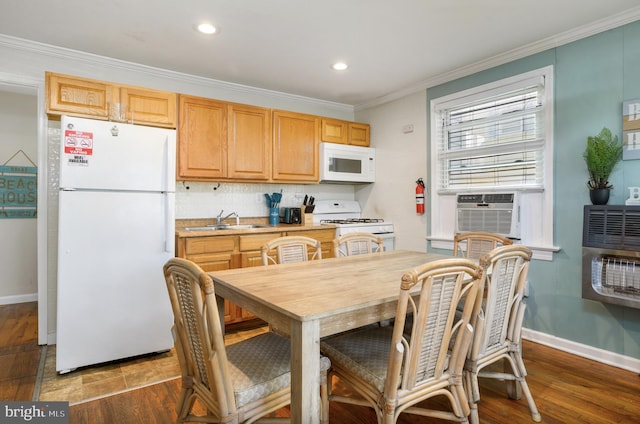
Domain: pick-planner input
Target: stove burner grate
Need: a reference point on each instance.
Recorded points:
(351, 221)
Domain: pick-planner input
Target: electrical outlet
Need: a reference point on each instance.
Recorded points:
(260, 198)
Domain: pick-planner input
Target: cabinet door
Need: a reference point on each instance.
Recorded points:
(249, 147)
(359, 134)
(77, 96)
(335, 131)
(213, 254)
(249, 259)
(250, 248)
(202, 136)
(151, 107)
(296, 139)
(324, 236)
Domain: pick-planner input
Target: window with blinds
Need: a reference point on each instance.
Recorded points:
(493, 140)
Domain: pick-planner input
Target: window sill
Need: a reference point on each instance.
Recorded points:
(542, 253)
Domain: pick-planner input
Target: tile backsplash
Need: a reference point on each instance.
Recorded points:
(205, 200)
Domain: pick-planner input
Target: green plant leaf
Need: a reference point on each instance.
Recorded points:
(602, 154)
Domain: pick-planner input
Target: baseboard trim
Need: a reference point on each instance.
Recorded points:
(585, 351)
(19, 298)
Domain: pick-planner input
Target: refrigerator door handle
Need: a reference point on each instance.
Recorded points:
(169, 221)
(167, 161)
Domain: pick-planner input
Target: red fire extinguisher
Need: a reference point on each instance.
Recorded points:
(420, 197)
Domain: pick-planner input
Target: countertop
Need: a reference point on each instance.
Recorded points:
(181, 224)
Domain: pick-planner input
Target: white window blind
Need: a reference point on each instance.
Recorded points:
(493, 140)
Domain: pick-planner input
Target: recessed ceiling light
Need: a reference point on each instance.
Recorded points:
(340, 66)
(206, 29)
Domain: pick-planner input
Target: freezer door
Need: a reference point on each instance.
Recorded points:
(105, 155)
(112, 297)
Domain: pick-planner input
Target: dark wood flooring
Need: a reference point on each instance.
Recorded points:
(567, 388)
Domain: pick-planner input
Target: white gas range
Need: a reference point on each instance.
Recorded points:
(346, 215)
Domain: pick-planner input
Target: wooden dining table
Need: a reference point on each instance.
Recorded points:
(310, 300)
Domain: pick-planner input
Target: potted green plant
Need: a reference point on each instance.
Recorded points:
(601, 155)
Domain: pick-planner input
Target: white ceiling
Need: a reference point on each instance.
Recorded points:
(288, 45)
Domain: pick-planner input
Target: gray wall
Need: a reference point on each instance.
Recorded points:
(593, 76)
(18, 260)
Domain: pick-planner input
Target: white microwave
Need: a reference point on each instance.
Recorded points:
(342, 163)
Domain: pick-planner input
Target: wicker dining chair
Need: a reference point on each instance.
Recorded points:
(474, 244)
(498, 312)
(357, 244)
(393, 372)
(288, 249)
(239, 383)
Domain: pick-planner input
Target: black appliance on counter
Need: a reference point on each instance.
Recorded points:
(290, 215)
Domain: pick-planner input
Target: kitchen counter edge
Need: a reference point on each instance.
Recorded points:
(181, 232)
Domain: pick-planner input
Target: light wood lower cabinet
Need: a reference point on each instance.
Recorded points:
(212, 254)
(215, 253)
(324, 236)
(250, 248)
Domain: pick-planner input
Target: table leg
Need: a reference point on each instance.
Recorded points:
(305, 372)
(220, 305)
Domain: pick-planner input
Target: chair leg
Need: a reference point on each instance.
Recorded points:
(521, 385)
(514, 389)
(185, 403)
(324, 402)
(473, 415)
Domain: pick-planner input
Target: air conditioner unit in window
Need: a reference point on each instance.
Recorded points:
(492, 212)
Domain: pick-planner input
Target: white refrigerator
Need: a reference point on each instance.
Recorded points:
(115, 232)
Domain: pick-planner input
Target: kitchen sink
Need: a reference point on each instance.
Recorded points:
(223, 227)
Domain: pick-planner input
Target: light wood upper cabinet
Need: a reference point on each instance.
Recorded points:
(296, 147)
(220, 140)
(150, 107)
(202, 138)
(75, 96)
(335, 131)
(359, 134)
(345, 132)
(249, 142)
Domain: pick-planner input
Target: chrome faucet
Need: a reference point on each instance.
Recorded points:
(219, 218)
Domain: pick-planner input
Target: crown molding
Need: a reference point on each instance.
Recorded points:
(103, 61)
(605, 24)
(602, 25)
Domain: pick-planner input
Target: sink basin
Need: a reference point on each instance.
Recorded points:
(223, 227)
(239, 227)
